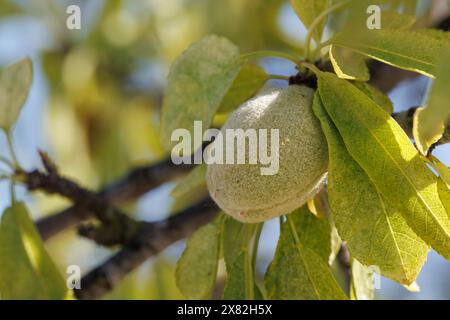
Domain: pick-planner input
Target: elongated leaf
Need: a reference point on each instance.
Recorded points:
(298, 273)
(313, 232)
(238, 254)
(235, 288)
(197, 268)
(386, 154)
(26, 269)
(15, 83)
(250, 79)
(442, 170)
(362, 283)
(235, 239)
(376, 95)
(444, 194)
(396, 21)
(375, 232)
(195, 178)
(353, 21)
(348, 64)
(308, 10)
(430, 122)
(411, 50)
(197, 83)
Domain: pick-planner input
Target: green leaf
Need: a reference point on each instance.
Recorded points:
(444, 194)
(375, 232)
(362, 282)
(442, 170)
(411, 50)
(336, 243)
(197, 83)
(308, 10)
(239, 260)
(235, 239)
(9, 8)
(314, 233)
(376, 96)
(298, 273)
(250, 79)
(349, 65)
(15, 83)
(353, 21)
(235, 288)
(26, 270)
(430, 122)
(396, 21)
(385, 153)
(196, 270)
(195, 178)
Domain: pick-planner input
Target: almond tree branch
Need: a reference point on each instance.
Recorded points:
(129, 187)
(148, 242)
(52, 183)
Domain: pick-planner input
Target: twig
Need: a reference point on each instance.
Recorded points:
(51, 182)
(131, 186)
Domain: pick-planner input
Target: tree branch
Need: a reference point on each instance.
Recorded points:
(150, 241)
(129, 187)
(51, 182)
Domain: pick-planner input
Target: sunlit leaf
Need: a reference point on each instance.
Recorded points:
(314, 233)
(26, 269)
(238, 254)
(197, 83)
(349, 65)
(413, 287)
(308, 10)
(375, 232)
(385, 153)
(250, 79)
(297, 272)
(396, 21)
(411, 50)
(444, 194)
(15, 82)
(197, 268)
(430, 122)
(376, 95)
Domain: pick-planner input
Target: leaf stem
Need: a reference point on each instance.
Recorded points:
(278, 77)
(249, 272)
(12, 187)
(321, 46)
(256, 242)
(9, 139)
(268, 53)
(316, 23)
(293, 231)
(311, 67)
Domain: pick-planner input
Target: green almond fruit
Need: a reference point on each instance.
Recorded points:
(241, 190)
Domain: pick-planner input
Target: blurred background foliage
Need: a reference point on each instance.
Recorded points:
(96, 98)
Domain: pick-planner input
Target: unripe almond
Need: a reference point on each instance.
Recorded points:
(241, 190)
